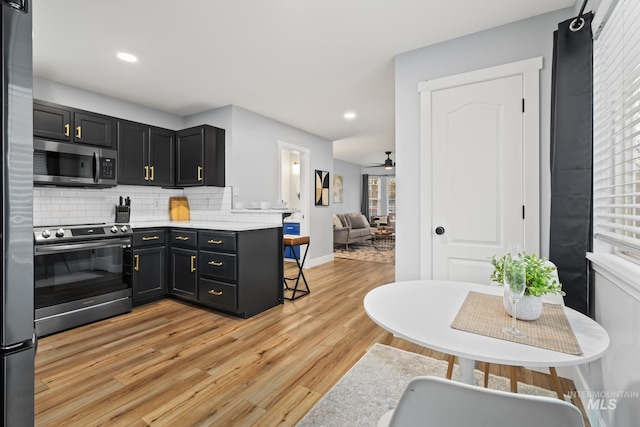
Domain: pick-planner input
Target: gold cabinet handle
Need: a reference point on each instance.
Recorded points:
(216, 293)
(183, 238)
(137, 265)
(153, 175)
(146, 173)
(215, 263)
(145, 238)
(66, 129)
(79, 132)
(199, 173)
(215, 242)
(193, 263)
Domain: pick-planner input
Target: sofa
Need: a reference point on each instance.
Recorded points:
(350, 228)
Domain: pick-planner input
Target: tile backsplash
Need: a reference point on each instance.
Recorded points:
(54, 206)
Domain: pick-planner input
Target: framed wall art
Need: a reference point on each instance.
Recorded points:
(337, 189)
(322, 188)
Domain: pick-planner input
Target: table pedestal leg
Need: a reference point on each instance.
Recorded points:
(467, 367)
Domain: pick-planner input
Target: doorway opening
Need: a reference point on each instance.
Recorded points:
(294, 173)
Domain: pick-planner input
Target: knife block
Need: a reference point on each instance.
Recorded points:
(122, 213)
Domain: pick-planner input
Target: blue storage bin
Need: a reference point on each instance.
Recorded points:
(294, 229)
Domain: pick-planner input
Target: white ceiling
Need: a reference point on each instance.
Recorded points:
(302, 62)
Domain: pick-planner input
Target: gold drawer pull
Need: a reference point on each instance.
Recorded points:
(79, 132)
(150, 238)
(215, 242)
(199, 173)
(153, 174)
(193, 263)
(183, 238)
(137, 266)
(216, 293)
(215, 264)
(66, 129)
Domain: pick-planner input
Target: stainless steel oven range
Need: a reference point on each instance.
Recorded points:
(78, 275)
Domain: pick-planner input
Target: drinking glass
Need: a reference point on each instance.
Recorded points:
(515, 278)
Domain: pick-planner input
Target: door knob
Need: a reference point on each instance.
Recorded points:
(439, 230)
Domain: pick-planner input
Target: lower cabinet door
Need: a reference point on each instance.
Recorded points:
(217, 294)
(148, 273)
(184, 273)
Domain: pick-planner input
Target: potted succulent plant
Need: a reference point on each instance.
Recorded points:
(542, 279)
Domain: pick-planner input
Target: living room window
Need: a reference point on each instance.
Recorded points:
(616, 167)
(382, 197)
(374, 196)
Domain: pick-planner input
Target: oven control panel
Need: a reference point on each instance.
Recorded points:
(79, 232)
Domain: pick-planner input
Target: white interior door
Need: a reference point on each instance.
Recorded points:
(480, 169)
(477, 168)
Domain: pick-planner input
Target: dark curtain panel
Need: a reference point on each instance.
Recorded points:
(364, 203)
(571, 158)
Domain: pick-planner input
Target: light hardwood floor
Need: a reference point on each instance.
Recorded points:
(169, 363)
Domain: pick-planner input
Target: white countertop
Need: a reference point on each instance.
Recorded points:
(205, 225)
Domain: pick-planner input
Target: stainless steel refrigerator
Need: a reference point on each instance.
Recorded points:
(17, 339)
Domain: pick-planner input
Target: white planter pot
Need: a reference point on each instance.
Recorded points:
(528, 308)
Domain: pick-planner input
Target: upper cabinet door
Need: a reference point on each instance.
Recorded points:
(94, 129)
(162, 145)
(51, 122)
(133, 153)
(190, 157)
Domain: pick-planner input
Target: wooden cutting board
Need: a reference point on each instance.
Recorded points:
(179, 209)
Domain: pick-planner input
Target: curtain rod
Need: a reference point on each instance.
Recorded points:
(578, 22)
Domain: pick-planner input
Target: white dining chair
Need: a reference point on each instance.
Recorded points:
(434, 401)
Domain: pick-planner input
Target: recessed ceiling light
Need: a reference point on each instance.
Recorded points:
(350, 115)
(127, 57)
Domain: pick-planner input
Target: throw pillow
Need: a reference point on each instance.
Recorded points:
(358, 220)
(336, 222)
(344, 218)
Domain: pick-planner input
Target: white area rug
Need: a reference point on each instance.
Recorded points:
(374, 384)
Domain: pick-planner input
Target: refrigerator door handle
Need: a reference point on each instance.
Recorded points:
(17, 4)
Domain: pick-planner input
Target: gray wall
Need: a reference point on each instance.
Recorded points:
(59, 93)
(352, 186)
(509, 43)
(252, 165)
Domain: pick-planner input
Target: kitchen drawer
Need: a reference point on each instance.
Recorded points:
(218, 265)
(148, 238)
(218, 294)
(218, 241)
(184, 238)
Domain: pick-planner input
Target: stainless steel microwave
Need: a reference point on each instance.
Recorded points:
(68, 164)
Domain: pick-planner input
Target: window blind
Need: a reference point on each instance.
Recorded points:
(616, 122)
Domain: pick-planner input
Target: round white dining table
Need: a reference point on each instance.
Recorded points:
(422, 311)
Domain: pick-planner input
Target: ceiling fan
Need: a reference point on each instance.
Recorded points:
(388, 163)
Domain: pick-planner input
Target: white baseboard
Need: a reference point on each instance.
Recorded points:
(313, 262)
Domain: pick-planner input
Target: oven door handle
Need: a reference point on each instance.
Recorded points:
(94, 244)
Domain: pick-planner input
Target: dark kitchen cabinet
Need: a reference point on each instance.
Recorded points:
(51, 122)
(184, 264)
(200, 156)
(58, 122)
(162, 145)
(241, 272)
(146, 154)
(146, 264)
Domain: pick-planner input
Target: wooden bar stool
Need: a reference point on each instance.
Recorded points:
(292, 241)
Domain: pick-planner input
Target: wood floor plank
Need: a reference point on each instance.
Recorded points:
(171, 363)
